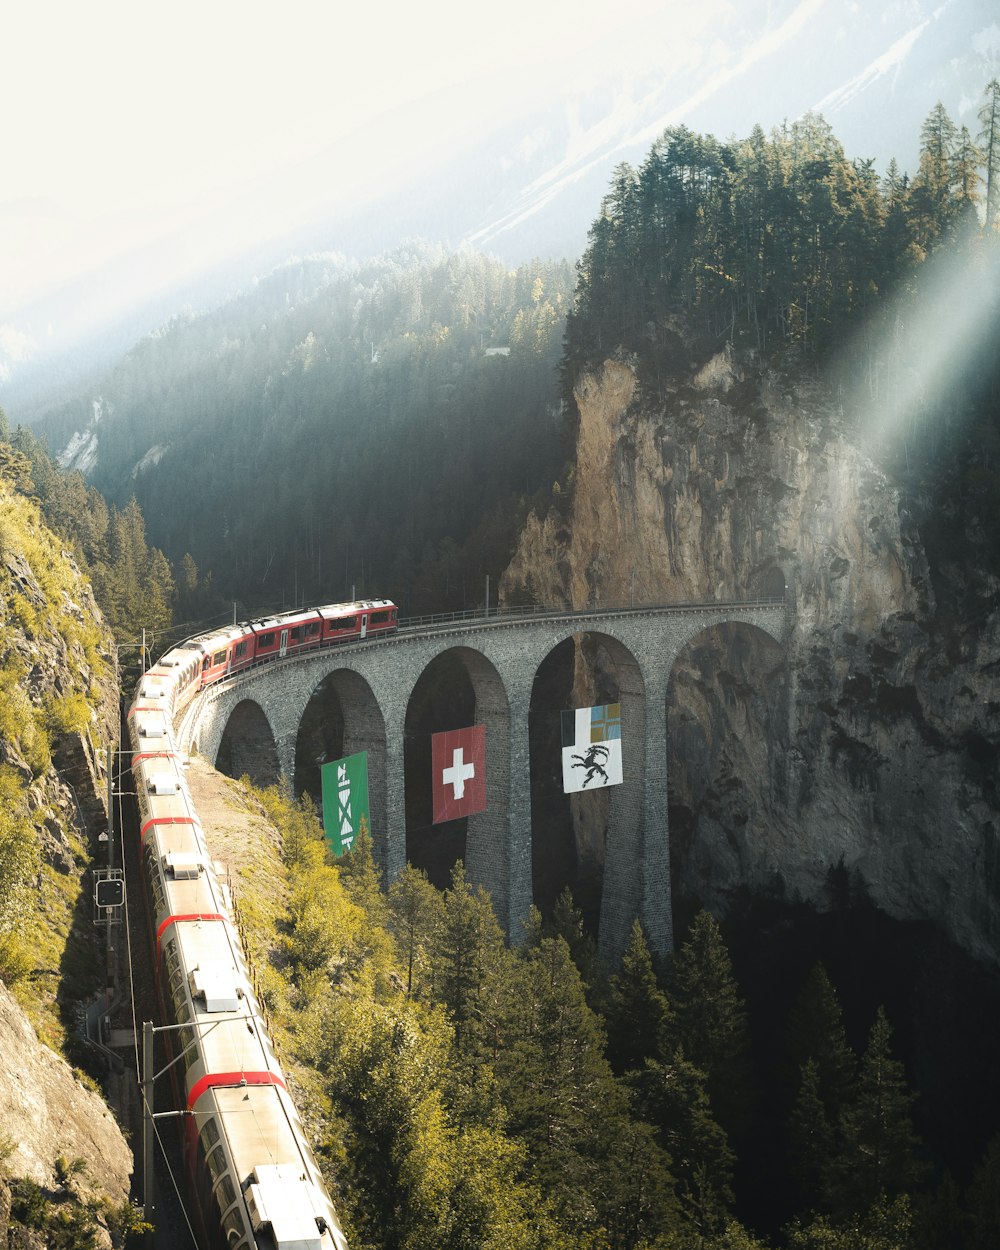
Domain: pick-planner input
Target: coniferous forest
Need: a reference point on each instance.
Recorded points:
(794, 1078)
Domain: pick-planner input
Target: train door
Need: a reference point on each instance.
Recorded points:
(364, 624)
(283, 648)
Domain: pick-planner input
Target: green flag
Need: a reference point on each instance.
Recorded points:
(345, 800)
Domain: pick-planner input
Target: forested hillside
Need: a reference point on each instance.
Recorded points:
(472, 1095)
(377, 425)
(883, 287)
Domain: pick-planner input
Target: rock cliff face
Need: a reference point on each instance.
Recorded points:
(47, 1113)
(871, 740)
(58, 711)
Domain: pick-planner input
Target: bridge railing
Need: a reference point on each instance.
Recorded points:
(563, 609)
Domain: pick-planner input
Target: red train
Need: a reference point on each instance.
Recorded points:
(206, 658)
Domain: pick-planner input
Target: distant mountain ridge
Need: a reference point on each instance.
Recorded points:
(529, 186)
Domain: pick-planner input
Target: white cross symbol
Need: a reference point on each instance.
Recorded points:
(459, 773)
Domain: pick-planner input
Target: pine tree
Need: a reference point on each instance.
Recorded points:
(415, 914)
(989, 139)
(816, 1032)
(810, 1139)
(468, 946)
(672, 1095)
(878, 1143)
(362, 877)
(710, 1020)
(638, 1014)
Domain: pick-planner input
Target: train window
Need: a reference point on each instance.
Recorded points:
(296, 633)
(217, 1162)
(218, 658)
(232, 1226)
(185, 1036)
(210, 1132)
(241, 650)
(378, 618)
(348, 622)
(205, 663)
(312, 628)
(265, 640)
(226, 1193)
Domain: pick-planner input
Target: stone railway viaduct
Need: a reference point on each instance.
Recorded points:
(501, 655)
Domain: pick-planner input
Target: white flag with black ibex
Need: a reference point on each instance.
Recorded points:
(592, 748)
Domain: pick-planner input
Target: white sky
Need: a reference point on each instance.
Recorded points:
(122, 118)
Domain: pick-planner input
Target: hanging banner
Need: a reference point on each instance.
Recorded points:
(458, 760)
(592, 748)
(345, 800)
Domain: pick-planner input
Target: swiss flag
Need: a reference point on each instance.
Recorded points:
(458, 760)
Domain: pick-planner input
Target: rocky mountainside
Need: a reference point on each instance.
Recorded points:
(63, 1159)
(869, 742)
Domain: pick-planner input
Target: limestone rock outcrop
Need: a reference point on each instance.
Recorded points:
(870, 742)
(47, 1113)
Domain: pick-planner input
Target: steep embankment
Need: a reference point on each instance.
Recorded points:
(871, 738)
(58, 709)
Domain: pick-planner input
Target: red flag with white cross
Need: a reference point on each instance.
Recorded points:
(458, 760)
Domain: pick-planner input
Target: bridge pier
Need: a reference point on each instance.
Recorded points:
(655, 906)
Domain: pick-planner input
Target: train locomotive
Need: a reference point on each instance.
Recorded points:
(257, 1183)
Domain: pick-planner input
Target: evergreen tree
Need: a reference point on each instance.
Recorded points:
(362, 877)
(415, 916)
(811, 1139)
(989, 140)
(468, 948)
(566, 922)
(932, 203)
(638, 1014)
(602, 1170)
(672, 1095)
(710, 1020)
(877, 1155)
(816, 1032)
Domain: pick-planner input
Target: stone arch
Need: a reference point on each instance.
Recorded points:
(591, 841)
(248, 746)
(457, 688)
(726, 718)
(342, 717)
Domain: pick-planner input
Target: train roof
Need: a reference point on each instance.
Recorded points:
(361, 605)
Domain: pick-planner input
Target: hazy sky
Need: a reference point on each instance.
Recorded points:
(123, 118)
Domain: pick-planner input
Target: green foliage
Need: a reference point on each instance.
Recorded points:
(65, 1225)
(887, 1225)
(18, 854)
(638, 1014)
(877, 1155)
(68, 714)
(711, 1021)
(362, 394)
(416, 914)
(816, 1032)
(469, 949)
(672, 1095)
(777, 241)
